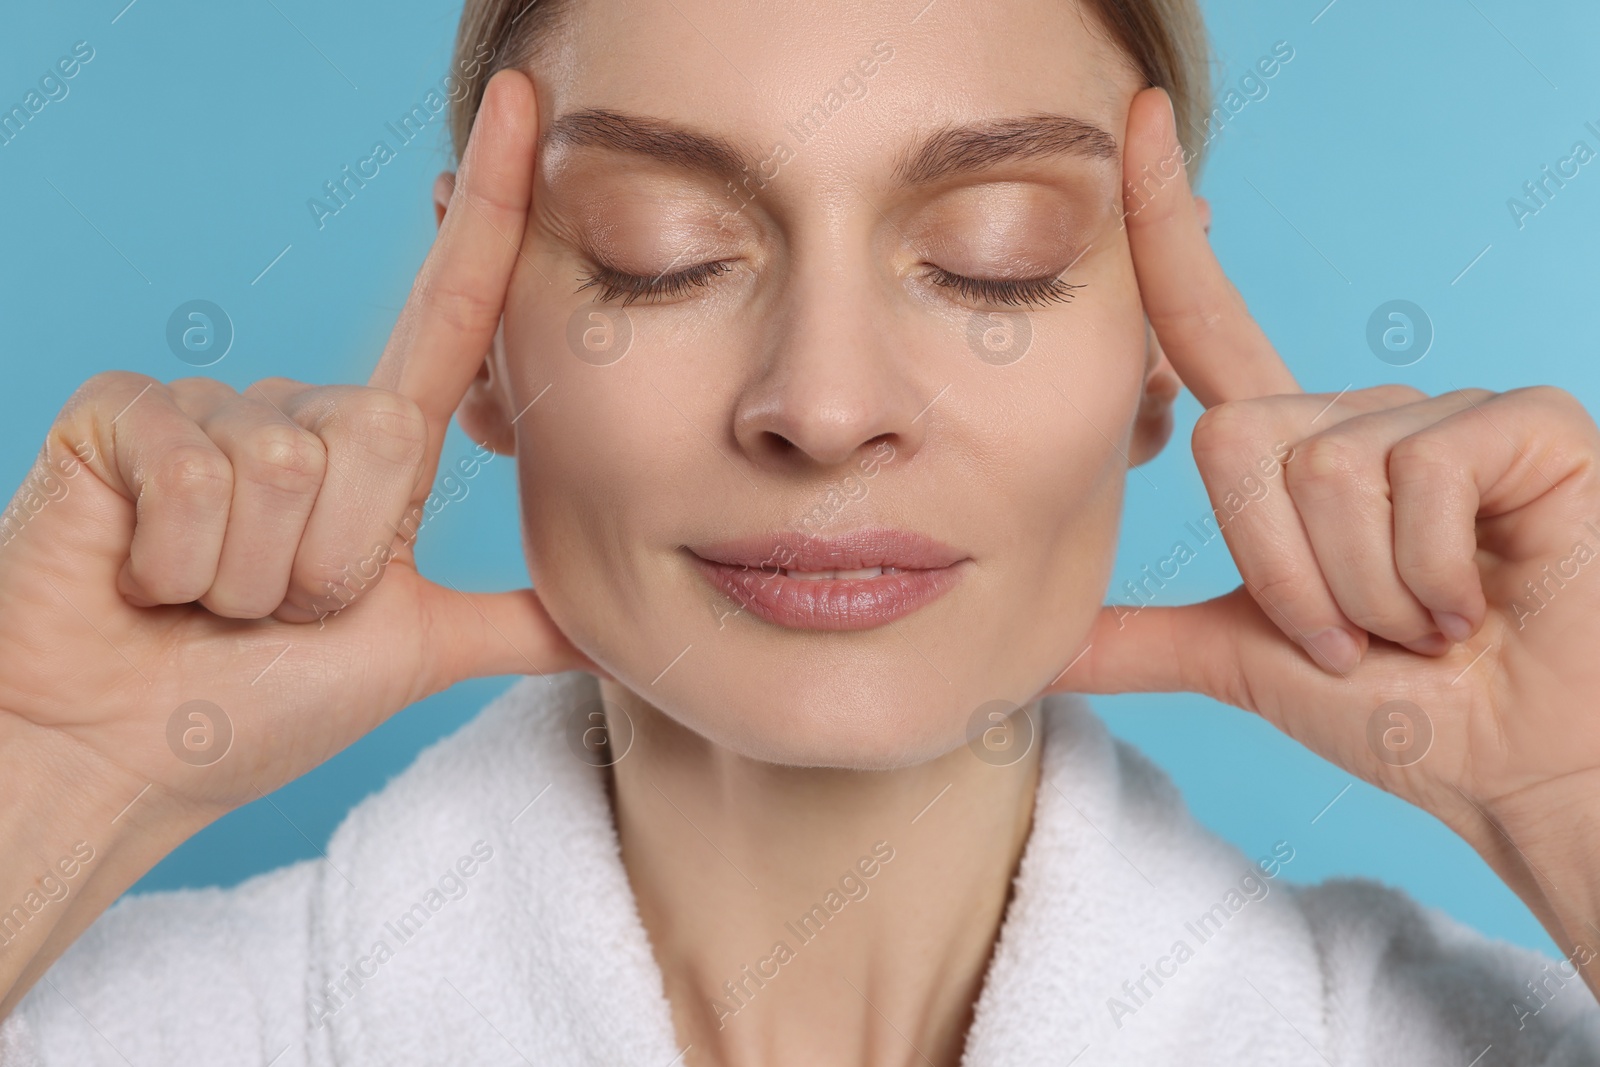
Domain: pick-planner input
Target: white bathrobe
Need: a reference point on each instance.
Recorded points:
(476, 911)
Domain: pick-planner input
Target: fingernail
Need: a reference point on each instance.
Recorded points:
(1336, 648)
(1432, 645)
(1453, 626)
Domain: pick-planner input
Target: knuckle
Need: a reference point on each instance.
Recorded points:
(1395, 394)
(1392, 623)
(278, 393)
(168, 578)
(115, 381)
(1428, 572)
(1287, 597)
(1325, 463)
(1420, 458)
(1370, 616)
(1281, 589)
(1549, 396)
(306, 594)
(165, 585)
(112, 388)
(387, 425)
(486, 198)
(196, 382)
(481, 194)
(239, 606)
(1566, 428)
(1194, 319)
(283, 456)
(328, 589)
(275, 382)
(197, 391)
(460, 308)
(1224, 430)
(192, 472)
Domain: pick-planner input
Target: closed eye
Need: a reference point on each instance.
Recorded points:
(614, 283)
(1028, 292)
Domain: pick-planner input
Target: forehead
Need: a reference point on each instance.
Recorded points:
(833, 77)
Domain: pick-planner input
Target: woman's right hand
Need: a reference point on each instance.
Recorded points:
(184, 556)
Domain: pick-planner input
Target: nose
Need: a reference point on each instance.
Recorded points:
(834, 382)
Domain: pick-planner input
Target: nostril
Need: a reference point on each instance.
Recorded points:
(781, 444)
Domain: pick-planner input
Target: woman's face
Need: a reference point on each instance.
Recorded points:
(821, 371)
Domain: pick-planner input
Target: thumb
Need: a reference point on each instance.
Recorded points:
(477, 635)
(1212, 648)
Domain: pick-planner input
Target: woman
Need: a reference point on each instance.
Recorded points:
(824, 339)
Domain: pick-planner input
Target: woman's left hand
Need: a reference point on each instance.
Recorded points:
(1421, 597)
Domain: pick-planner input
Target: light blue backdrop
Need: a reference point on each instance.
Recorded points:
(1378, 166)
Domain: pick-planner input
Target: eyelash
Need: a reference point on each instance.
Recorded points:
(1031, 292)
(631, 287)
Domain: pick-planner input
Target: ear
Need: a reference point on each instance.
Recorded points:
(1152, 426)
(482, 411)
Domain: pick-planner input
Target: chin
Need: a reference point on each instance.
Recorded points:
(841, 720)
(862, 701)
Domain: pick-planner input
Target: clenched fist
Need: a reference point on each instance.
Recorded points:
(185, 558)
(1415, 606)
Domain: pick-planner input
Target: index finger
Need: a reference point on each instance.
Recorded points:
(449, 320)
(1199, 317)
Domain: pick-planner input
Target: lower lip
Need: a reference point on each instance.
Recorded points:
(830, 603)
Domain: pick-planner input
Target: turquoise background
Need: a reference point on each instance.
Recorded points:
(1377, 167)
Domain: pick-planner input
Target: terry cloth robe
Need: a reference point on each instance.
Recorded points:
(476, 911)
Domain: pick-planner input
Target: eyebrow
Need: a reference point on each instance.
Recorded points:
(659, 139)
(944, 153)
(976, 146)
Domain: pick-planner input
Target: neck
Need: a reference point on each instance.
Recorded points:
(817, 915)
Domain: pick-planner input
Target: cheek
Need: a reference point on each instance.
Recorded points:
(613, 466)
(1059, 458)
(1061, 449)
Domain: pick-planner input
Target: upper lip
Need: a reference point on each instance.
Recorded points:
(855, 550)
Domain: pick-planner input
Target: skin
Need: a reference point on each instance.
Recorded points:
(784, 755)
(825, 346)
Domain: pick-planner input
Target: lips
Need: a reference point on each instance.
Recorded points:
(855, 581)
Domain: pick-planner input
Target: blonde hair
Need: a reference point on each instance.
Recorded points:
(1164, 40)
